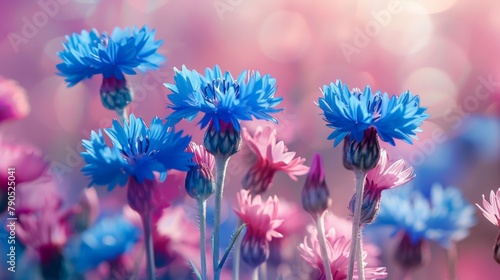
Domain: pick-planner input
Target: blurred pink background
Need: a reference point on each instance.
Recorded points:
(445, 51)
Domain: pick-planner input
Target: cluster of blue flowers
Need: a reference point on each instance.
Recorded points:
(445, 217)
(137, 153)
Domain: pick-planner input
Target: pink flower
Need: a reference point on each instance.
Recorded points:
(13, 101)
(343, 227)
(176, 236)
(271, 157)
(338, 252)
(262, 222)
(29, 163)
(46, 233)
(491, 209)
(386, 175)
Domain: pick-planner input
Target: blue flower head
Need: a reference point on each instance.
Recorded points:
(137, 151)
(221, 98)
(111, 55)
(352, 112)
(445, 218)
(106, 240)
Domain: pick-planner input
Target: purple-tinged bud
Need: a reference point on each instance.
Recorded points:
(115, 94)
(199, 183)
(412, 254)
(224, 141)
(200, 179)
(362, 156)
(139, 195)
(496, 252)
(315, 195)
(254, 249)
(370, 206)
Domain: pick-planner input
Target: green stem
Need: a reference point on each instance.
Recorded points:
(122, 114)
(237, 255)
(202, 205)
(148, 241)
(356, 233)
(220, 172)
(322, 244)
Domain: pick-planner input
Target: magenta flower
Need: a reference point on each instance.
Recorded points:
(13, 101)
(491, 210)
(385, 175)
(262, 222)
(338, 254)
(271, 157)
(45, 232)
(17, 156)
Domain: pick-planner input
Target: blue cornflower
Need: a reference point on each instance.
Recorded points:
(445, 217)
(106, 240)
(221, 97)
(352, 112)
(225, 102)
(112, 55)
(136, 152)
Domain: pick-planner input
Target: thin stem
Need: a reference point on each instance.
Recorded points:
(263, 271)
(220, 172)
(122, 114)
(202, 205)
(359, 255)
(237, 255)
(322, 243)
(356, 233)
(452, 262)
(148, 241)
(255, 273)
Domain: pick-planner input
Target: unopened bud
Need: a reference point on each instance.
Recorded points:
(225, 141)
(364, 155)
(115, 93)
(254, 249)
(315, 195)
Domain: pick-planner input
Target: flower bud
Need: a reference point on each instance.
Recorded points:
(370, 206)
(315, 195)
(254, 249)
(139, 195)
(115, 93)
(225, 140)
(496, 251)
(411, 254)
(364, 155)
(200, 183)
